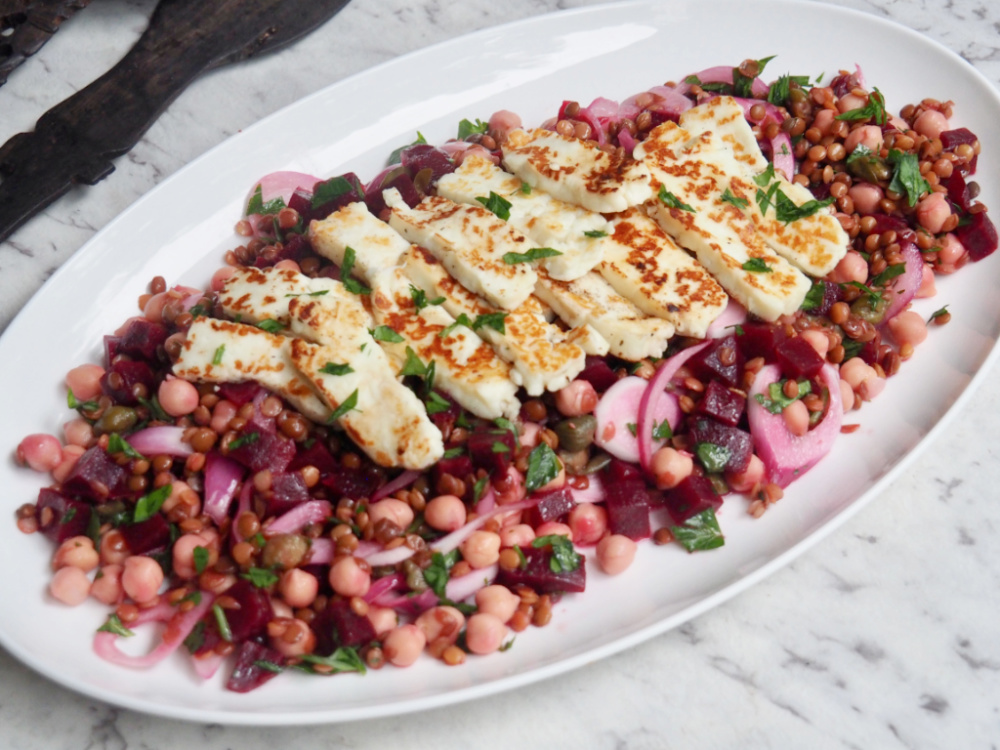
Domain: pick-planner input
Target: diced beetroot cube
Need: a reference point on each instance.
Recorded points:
(887, 223)
(96, 477)
(978, 236)
(737, 442)
(341, 190)
(958, 191)
(798, 359)
(459, 467)
(553, 505)
(399, 179)
(710, 362)
(491, 450)
(143, 338)
(317, 454)
(338, 625)
(722, 404)
(424, 156)
(760, 340)
(294, 248)
(598, 373)
(957, 137)
(692, 496)
(239, 393)
(353, 483)
(301, 201)
(869, 352)
(254, 612)
(832, 293)
(67, 517)
(123, 376)
(112, 345)
(620, 471)
(628, 504)
(263, 450)
(287, 491)
(146, 536)
(248, 673)
(538, 574)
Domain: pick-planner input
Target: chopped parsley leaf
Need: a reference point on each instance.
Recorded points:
(246, 438)
(756, 265)
(332, 368)
(700, 532)
(940, 312)
(217, 357)
(149, 505)
(114, 625)
(535, 253)
(888, 274)
(776, 400)
(332, 189)
(270, 325)
(467, 128)
(713, 457)
(347, 405)
(543, 467)
(595, 233)
(344, 659)
(497, 204)
(386, 334)
(906, 179)
(350, 284)
(873, 110)
(225, 632)
(260, 577)
(728, 197)
(672, 201)
(814, 297)
(201, 557)
(787, 211)
(662, 431)
(436, 404)
(420, 298)
(116, 444)
(73, 403)
(564, 558)
(256, 204)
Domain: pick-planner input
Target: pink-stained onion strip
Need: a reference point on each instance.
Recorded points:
(303, 514)
(222, 480)
(407, 604)
(905, 286)
(321, 551)
(281, 185)
(242, 506)
(724, 74)
(181, 625)
(651, 398)
(734, 315)
(402, 481)
(163, 440)
(384, 585)
(782, 154)
(461, 588)
(786, 456)
(446, 544)
(594, 493)
(392, 556)
(206, 666)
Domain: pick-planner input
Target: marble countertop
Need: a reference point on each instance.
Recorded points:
(882, 636)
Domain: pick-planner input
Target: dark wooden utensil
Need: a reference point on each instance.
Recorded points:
(76, 141)
(25, 25)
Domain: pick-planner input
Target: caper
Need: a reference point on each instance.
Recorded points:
(116, 419)
(718, 484)
(414, 576)
(869, 168)
(284, 551)
(870, 308)
(112, 511)
(576, 433)
(575, 463)
(597, 463)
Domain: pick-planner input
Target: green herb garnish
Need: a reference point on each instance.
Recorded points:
(148, 505)
(332, 368)
(347, 405)
(786, 210)
(700, 532)
(420, 298)
(344, 659)
(467, 128)
(595, 233)
(906, 179)
(496, 204)
(543, 467)
(564, 558)
(201, 557)
(351, 284)
(672, 201)
(535, 253)
(256, 204)
(260, 577)
(225, 632)
(217, 357)
(117, 444)
(332, 189)
(247, 438)
(437, 573)
(728, 197)
(756, 265)
(386, 334)
(114, 625)
(713, 457)
(873, 110)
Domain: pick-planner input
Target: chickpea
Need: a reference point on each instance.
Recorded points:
(403, 645)
(347, 578)
(498, 601)
(615, 554)
(70, 586)
(588, 523)
(445, 513)
(142, 577)
(481, 549)
(484, 633)
(298, 587)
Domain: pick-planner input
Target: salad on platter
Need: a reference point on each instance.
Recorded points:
(409, 414)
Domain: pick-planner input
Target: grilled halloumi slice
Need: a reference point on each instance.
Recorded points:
(579, 234)
(377, 246)
(543, 356)
(383, 417)
(725, 240)
(592, 301)
(253, 295)
(814, 243)
(220, 351)
(646, 266)
(466, 367)
(576, 171)
(471, 242)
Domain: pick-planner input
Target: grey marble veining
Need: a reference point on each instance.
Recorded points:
(883, 636)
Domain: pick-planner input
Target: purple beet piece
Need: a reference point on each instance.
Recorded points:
(620, 471)
(287, 491)
(628, 504)
(254, 612)
(711, 362)
(760, 340)
(423, 156)
(336, 193)
(338, 625)
(112, 344)
(844, 84)
(832, 293)
(869, 352)
(96, 477)
(352, 483)
(68, 517)
(722, 404)
(491, 450)
(294, 248)
(551, 506)
(738, 442)
(301, 201)
(798, 359)
(399, 179)
(239, 393)
(459, 467)
(130, 373)
(958, 190)
(317, 454)
(957, 137)
(979, 236)
(248, 674)
(265, 451)
(538, 574)
(692, 496)
(143, 338)
(598, 373)
(887, 223)
(146, 536)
